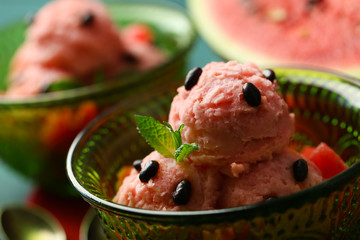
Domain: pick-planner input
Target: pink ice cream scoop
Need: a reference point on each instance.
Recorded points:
(267, 179)
(77, 39)
(228, 124)
(76, 36)
(210, 188)
(158, 192)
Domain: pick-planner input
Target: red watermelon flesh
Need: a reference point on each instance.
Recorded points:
(326, 159)
(323, 33)
(306, 151)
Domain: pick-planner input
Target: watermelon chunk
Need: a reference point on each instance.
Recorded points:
(306, 151)
(327, 161)
(138, 33)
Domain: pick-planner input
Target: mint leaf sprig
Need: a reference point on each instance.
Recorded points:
(163, 138)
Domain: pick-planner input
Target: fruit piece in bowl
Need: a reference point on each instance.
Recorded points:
(56, 91)
(324, 105)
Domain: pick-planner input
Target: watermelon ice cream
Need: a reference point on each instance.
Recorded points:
(218, 118)
(76, 39)
(267, 179)
(242, 127)
(156, 195)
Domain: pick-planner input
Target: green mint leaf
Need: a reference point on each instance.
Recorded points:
(184, 151)
(176, 134)
(156, 135)
(169, 126)
(163, 138)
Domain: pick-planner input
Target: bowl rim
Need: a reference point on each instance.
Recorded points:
(85, 92)
(265, 208)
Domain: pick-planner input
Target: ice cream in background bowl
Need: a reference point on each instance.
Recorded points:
(82, 45)
(62, 70)
(238, 199)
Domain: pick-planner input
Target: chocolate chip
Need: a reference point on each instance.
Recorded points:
(252, 94)
(137, 164)
(129, 58)
(311, 3)
(87, 19)
(182, 193)
(149, 171)
(192, 78)
(269, 74)
(300, 170)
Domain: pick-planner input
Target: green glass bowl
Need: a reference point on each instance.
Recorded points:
(327, 108)
(36, 133)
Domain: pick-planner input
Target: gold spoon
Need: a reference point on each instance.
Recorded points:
(19, 222)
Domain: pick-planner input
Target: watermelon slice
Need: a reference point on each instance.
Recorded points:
(325, 159)
(310, 33)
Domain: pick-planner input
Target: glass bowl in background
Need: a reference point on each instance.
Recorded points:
(36, 132)
(327, 108)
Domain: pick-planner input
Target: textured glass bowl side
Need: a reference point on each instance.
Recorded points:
(30, 129)
(327, 108)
